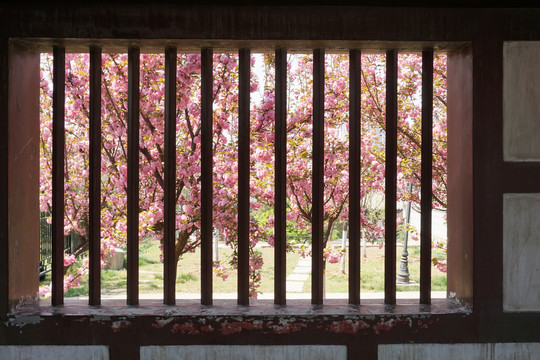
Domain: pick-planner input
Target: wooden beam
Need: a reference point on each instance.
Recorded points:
(391, 178)
(426, 177)
(317, 263)
(169, 191)
(207, 114)
(280, 185)
(355, 65)
(243, 175)
(57, 215)
(133, 177)
(94, 228)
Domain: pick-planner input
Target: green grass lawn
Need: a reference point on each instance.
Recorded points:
(188, 277)
(372, 272)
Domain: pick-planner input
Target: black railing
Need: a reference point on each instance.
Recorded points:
(45, 245)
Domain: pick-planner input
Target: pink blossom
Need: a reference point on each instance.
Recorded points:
(225, 127)
(68, 260)
(45, 292)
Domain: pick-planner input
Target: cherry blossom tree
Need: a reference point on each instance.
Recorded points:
(299, 130)
(114, 152)
(225, 145)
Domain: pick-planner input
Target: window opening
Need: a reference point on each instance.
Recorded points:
(281, 127)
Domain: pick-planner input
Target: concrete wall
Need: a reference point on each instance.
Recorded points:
(508, 351)
(237, 352)
(521, 249)
(499, 351)
(521, 133)
(44, 352)
(521, 105)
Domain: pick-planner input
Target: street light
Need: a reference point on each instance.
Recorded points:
(403, 273)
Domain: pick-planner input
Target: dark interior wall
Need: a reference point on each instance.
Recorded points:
(476, 35)
(377, 3)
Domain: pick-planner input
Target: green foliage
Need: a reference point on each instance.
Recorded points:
(78, 291)
(148, 252)
(262, 215)
(296, 235)
(438, 282)
(145, 260)
(185, 277)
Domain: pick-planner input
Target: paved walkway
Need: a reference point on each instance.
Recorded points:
(402, 295)
(295, 290)
(296, 280)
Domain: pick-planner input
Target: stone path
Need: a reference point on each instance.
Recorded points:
(296, 280)
(405, 295)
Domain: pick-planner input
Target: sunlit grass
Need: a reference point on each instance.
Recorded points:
(188, 276)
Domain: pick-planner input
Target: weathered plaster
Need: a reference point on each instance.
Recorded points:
(521, 252)
(227, 322)
(499, 351)
(245, 352)
(54, 352)
(521, 101)
(21, 321)
(434, 351)
(511, 351)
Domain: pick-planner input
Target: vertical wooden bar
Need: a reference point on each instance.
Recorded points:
(426, 177)
(94, 228)
(317, 273)
(19, 178)
(206, 174)
(355, 63)
(243, 175)
(4, 181)
(391, 178)
(57, 276)
(133, 177)
(169, 201)
(280, 190)
(464, 249)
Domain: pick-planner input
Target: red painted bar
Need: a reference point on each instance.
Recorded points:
(206, 174)
(5, 274)
(169, 170)
(317, 263)
(133, 177)
(94, 228)
(244, 56)
(280, 185)
(426, 177)
(390, 178)
(58, 131)
(355, 103)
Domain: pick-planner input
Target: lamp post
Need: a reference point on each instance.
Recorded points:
(343, 246)
(403, 276)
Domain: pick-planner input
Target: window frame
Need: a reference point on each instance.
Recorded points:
(480, 31)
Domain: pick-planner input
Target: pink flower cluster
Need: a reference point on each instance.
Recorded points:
(220, 271)
(332, 256)
(441, 264)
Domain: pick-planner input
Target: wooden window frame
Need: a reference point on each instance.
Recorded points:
(475, 116)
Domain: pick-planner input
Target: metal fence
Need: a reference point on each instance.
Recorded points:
(45, 245)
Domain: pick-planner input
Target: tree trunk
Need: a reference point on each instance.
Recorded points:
(83, 246)
(327, 235)
(179, 248)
